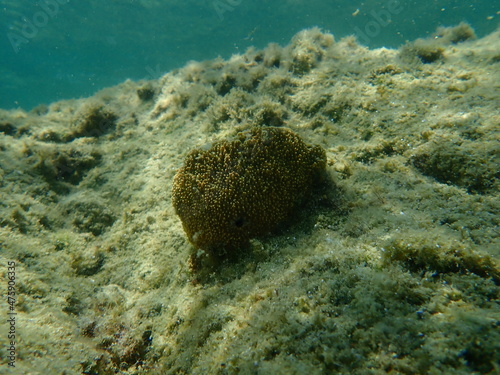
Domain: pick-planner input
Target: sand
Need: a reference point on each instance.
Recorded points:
(400, 274)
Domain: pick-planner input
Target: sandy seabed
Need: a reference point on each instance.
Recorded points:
(400, 275)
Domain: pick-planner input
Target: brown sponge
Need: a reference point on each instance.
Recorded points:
(244, 188)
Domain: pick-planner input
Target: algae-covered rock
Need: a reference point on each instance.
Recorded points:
(244, 188)
(392, 270)
(432, 49)
(462, 164)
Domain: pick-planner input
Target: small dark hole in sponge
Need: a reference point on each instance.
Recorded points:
(239, 222)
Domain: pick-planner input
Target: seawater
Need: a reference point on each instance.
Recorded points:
(61, 49)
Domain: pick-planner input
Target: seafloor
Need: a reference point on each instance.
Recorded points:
(399, 274)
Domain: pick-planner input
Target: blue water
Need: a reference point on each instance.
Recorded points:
(60, 49)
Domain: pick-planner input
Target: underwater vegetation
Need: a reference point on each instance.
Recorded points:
(432, 49)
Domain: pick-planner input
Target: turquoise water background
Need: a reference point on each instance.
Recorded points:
(61, 49)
